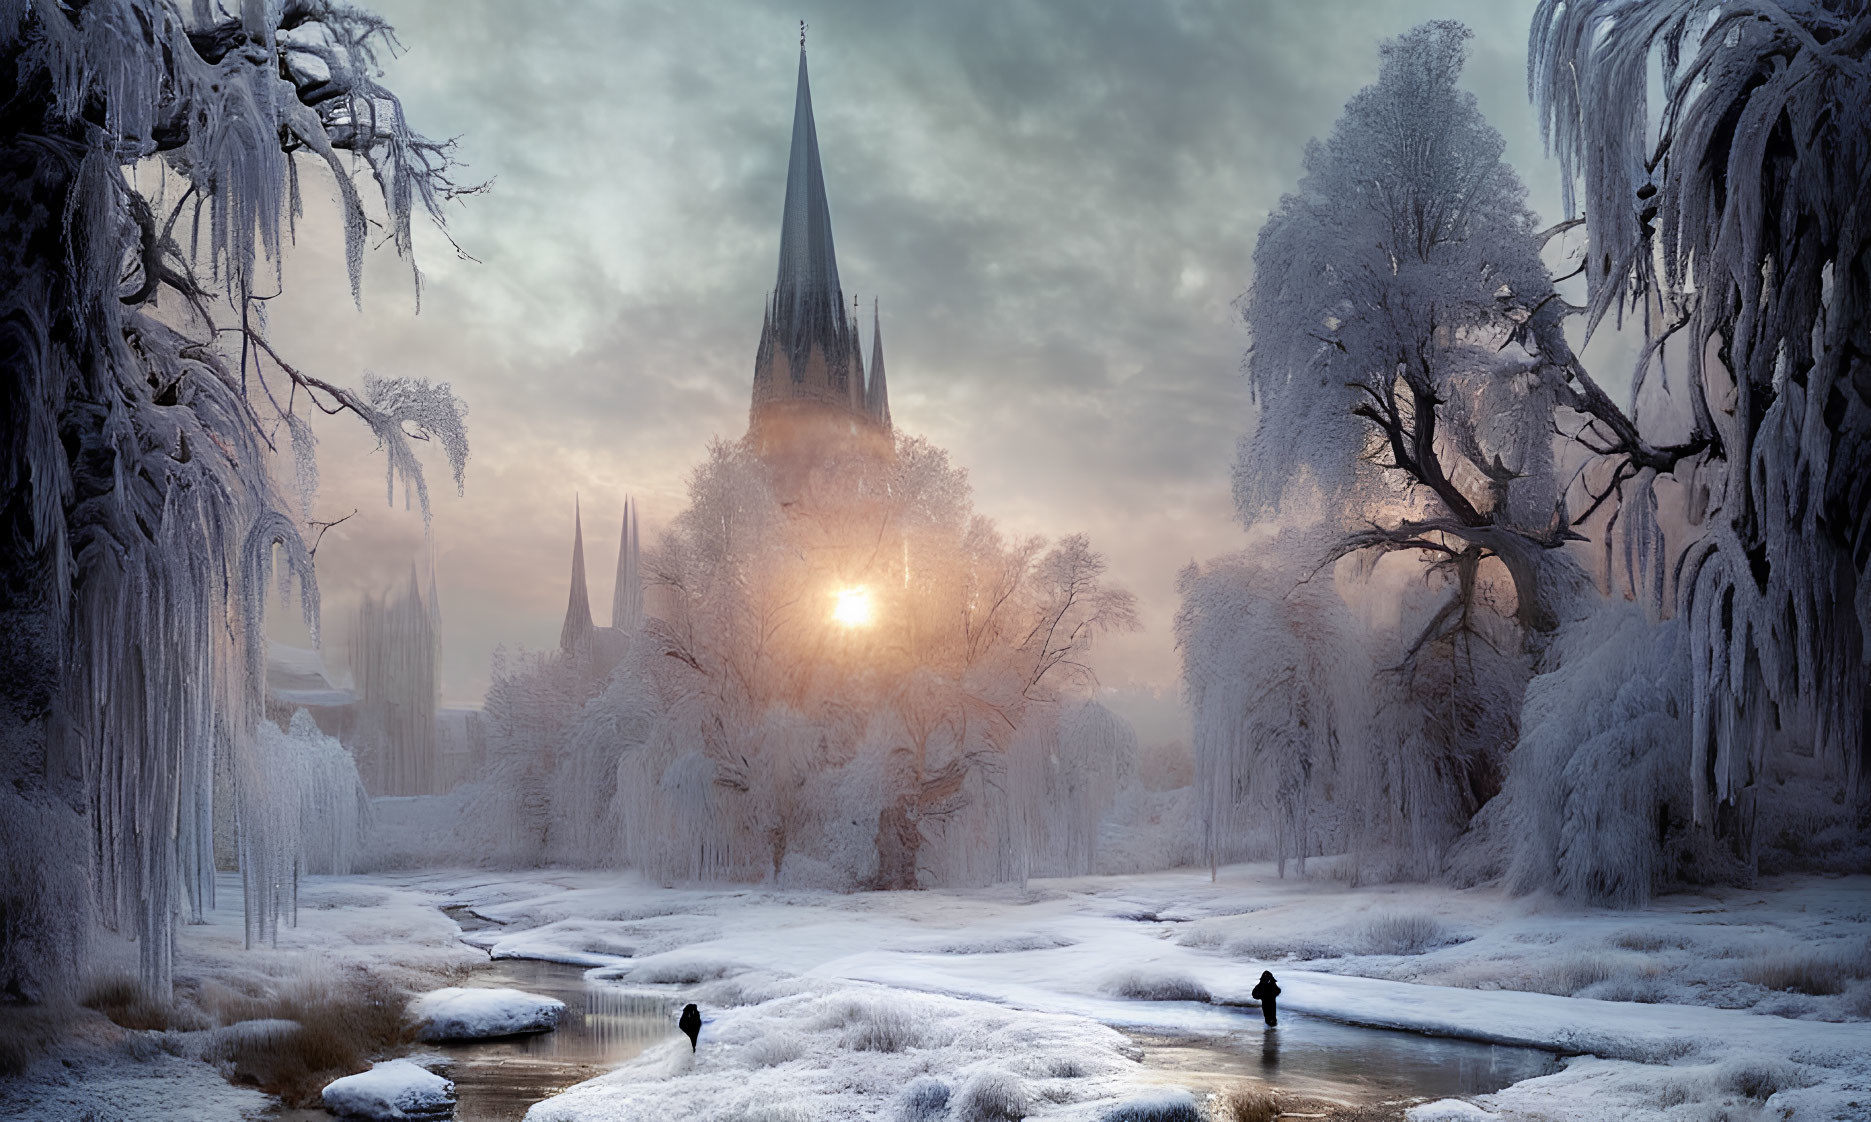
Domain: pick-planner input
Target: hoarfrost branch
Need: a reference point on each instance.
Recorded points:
(141, 526)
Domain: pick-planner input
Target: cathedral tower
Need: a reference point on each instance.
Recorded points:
(809, 383)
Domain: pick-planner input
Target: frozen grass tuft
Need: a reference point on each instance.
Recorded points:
(1246, 1102)
(1819, 973)
(991, 1096)
(775, 1048)
(341, 1021)
(28, 1032)
(1285, 950)
(1570, 975)
(124, 1000)
(1140, 986)
(1643, 991)
(1759, 1078)
(924, 1100)
(1402, 933)
(1649, 939)
(877, 1027)
(1164, 1106)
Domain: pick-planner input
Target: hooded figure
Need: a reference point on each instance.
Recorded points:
(1267, 992)
(691, 1023)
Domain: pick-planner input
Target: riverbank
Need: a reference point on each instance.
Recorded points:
(830, 1006)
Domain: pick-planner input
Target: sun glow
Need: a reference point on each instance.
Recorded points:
(852, 607)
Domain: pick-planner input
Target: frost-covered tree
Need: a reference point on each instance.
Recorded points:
(784, 738)
(1389, 294)
(1277, 674)
(1734, 214)
(143, 405)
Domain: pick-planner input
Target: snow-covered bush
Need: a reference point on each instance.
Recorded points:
(1141, 985)
(1594, 785)
(991, 1096)
(1162, 1106)
(924, 1100)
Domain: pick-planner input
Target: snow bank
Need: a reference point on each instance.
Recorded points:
(469, 1014)
(391, 1091)
(1448, 1110)
(839, 1050)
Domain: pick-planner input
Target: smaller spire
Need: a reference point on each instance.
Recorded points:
(877, 393)
(575, 636)
(627, 596)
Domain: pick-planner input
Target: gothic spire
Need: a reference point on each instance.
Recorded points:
(877, 393)
(808, 302)
(627, 597)
(575, 636)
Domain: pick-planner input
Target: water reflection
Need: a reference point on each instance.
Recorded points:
(496, 1080)
(1310, 1056)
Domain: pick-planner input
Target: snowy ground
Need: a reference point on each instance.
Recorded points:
(1676, 1004)
(827, 1006)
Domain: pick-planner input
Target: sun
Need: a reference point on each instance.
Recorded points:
(852, 607)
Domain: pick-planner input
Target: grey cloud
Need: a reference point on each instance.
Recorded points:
(1056, 203)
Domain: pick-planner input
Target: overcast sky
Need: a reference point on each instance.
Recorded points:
(1055, 202)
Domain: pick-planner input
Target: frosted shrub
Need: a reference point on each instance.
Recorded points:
(926, 1099)
(991, 1096)
(1163, 1106)
(1144, 986)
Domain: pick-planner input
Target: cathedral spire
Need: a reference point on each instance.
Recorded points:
(575, 636)
(877, 393)
(627, 597)
(807, 298)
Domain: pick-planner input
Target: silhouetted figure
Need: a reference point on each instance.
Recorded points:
(1267, 992)
(691, 1023)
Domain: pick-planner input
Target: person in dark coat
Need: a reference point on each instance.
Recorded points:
(1267, 992)
(691, 1023)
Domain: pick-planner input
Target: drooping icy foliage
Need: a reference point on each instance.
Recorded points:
(1734, 213)
(1278, 677)
(142, 528)
(302, 810)
(1423, 398)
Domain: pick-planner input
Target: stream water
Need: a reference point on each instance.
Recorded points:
(603, 1026)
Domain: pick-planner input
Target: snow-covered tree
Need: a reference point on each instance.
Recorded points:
(1389, 294)
(769, 698)
(1278, 676)
(143, 404)
(1734, 215)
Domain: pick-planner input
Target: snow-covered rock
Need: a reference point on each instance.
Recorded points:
(469, 1014)
(391, 1092)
